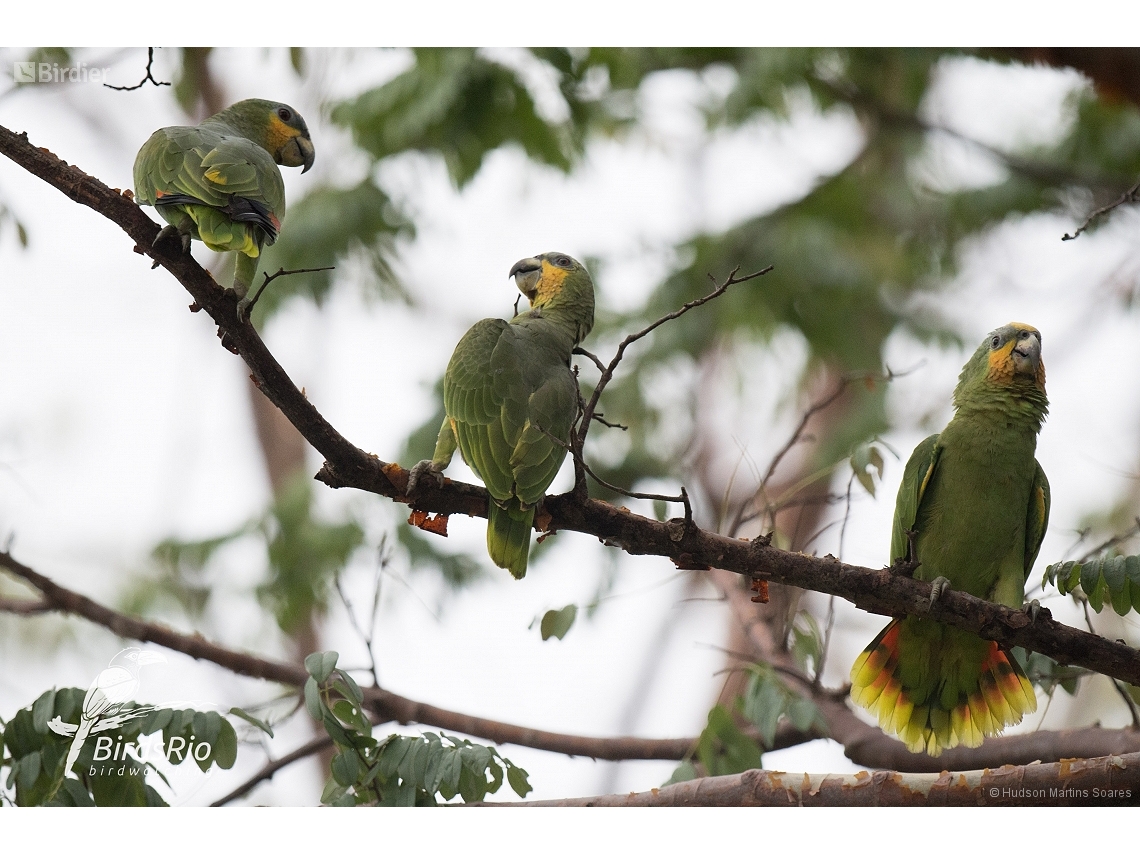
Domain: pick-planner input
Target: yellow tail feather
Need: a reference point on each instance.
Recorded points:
(1002, 696)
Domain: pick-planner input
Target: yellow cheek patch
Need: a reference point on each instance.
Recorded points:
(1001, 365)
(279, 134)
(549, 283)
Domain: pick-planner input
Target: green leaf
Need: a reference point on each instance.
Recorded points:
(684, 772)
(321, 664)
(355, 692)
(256, 722)
(556, 623)
(392, 754)
(350, 714)
(225, 746)
(42, 710)
(723, 748)
(519, 780)
(313, 701)
(865, 461)
(1109, 578)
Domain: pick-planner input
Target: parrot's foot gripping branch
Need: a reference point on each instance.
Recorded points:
(420, 470)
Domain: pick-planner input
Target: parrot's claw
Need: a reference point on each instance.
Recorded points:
(937, 588)
(169, 231)
(1033, 609)
(424, 467)
(243, 308)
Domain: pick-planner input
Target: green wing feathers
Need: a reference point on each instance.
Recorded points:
(916, 477)
(1038, 518)
(511, 400)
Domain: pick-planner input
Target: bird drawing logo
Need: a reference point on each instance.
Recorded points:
(103, 704)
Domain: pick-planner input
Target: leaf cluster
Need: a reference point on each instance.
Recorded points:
(1108, 580)
(397, 771)
(35, 754)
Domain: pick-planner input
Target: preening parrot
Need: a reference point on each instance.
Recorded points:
(978, 504)
(510, 400)
(219, 182)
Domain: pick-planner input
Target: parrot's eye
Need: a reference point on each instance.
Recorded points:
(995, 341)
(284, 114)
(562, 261)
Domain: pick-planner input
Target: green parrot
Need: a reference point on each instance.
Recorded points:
(975, 504)
(219, 182)
(510, 400)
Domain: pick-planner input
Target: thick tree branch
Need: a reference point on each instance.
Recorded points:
(877, 591)
(1100, 781)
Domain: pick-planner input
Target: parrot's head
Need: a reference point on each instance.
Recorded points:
(276, 127)
(555, 283)
(1008, 362)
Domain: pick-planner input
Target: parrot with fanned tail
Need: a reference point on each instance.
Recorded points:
(974, 503)
(510, 400)
(219, 183)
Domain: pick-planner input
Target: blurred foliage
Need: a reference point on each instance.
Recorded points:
(34, 753)
(304, 555)
(851, 254)
(1048, 673)
(723, 748)
(855, 255)
(398, 771)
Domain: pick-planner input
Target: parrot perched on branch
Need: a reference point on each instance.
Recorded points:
(975, 504)
(510, 400)
(219, 182)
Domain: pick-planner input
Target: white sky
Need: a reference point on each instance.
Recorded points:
(123, 422)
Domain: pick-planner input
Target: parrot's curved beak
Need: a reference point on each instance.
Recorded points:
(297, 151)
(1026, 354)
(526, 274)
(307, 152)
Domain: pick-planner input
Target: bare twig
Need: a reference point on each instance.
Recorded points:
(608, 370)
(280, 272)
(1121, 537)
(141, 83)
(314, 746)
(1128, 197)
(1120, 690)
(25, 607)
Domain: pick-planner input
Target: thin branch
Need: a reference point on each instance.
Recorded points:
(313, 746)
(608, 370)
(1110, 542)
(1128, 197)
(141, 83)
(1120, 690)
(1113, 780)
(1045, 173)
(280, 272)
(13, 606)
